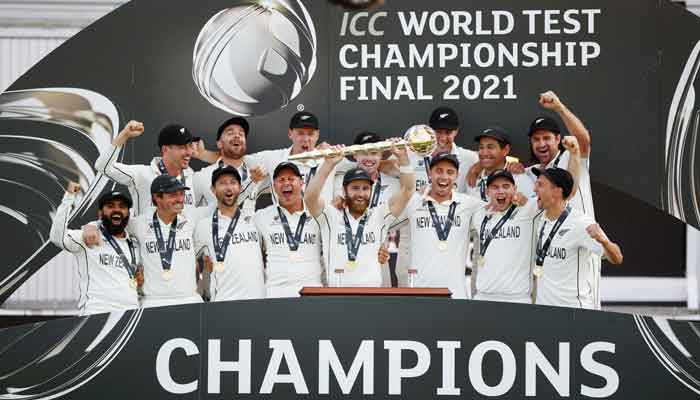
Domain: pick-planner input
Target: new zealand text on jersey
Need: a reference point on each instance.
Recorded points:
(180, 245)
(278, 238)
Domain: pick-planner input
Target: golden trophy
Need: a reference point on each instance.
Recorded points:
(420, 139)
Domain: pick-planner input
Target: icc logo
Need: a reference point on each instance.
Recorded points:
(256, 57)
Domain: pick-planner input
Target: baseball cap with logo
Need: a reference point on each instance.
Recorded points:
(114, 195)
(559, 177)
(544, 124)
(175, 134)
(225, 170)
(286, 165)
(367, 137)
(356, 174)
(495, 132)
(444, 118)
(444, 157)
(167, 184)
(303, 119)
(500, 173)
(240, 121)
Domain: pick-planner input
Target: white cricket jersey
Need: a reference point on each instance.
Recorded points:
(568, 279)
(583, 200)
(201, 184)
(138, 178)
(286, 271)
(367, 272)
(505, 275)
(438, 268)
(182, 286)
(104, 280)
(523, 183)
(269, 159)
(243, 274)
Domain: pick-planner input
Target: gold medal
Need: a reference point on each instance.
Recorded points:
(167, 274)
(538, 271)
(442, 245)
(480, 260)
(351, 265)
(132, 283)
(219, 266)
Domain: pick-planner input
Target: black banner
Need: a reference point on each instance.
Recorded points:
(352, 348)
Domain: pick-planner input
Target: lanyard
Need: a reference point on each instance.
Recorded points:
(442, 231)
(292, 241)
(377, 192)
(220, 247)
(352, 243)
(486, 241)
(165, 251)
(542, 249)
(426, 164)
(130, 266)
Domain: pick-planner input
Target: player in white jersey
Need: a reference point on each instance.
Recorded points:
(108, 273)
(439, 221)
(304, 133)
(494, 147)
(383, 188)
(231, 241)
(175, 143)
(504, 240)
(352, 236)
(565, 239)
(445, 122)
(231, 140)
(291, 238)
(545, 146)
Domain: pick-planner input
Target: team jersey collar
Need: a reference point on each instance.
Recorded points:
(455, 198)
(154, 167)
(286, 212)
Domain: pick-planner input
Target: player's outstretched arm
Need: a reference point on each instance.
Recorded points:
(407, 180)
(107, 161)
(571, 144)
(551, 101)
(612, 251)
(201, 153)
(312, 195)
(59, 226)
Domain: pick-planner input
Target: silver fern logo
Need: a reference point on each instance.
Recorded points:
(256, 57)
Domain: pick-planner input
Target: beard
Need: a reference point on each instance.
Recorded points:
(111, 227)
(358, 208)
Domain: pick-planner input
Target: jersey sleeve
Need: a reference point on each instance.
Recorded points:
(199, 183)
(530, 209)
(197, 214)
(121, 173)
(60, 235)
(201, 233)
(585, 240)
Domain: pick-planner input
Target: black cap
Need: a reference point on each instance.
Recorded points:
(495, 132)
(240, 121)
(500, 173)
(224, 170)
(559, 177)
(444, 157)
(544, 124)
(175, 134)
(367, 137)
(286, 165)
(356, 174)
(444, 118)
(114, 195)
(167, 184)
(303, 119)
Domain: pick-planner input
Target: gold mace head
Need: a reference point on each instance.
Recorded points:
(421, 139)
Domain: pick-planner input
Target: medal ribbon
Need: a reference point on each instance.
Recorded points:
(130, 266)
(541, 250)
(484, 242)
(220, 250)
(377, 192)
(166, 252)
(352, 243)
(442, 232)
(292, 241)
